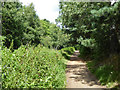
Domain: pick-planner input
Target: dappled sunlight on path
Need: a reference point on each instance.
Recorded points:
(78, 76)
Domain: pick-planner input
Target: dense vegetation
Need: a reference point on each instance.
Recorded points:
(33, 49)
(30, 58)
(95, 30)
(33, 67)
(21, 25)
(106, 73)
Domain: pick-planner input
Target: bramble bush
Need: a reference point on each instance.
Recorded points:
(33, 67)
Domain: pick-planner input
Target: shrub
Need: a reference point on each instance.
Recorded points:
(32, 67)
(67, 52)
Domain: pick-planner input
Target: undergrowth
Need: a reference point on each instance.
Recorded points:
(32, 67)
(106, 72)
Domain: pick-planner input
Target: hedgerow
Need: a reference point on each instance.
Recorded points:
(32, 67)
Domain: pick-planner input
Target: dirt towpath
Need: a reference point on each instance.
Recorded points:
(78, 76)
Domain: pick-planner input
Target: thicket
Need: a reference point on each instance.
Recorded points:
(32, 67)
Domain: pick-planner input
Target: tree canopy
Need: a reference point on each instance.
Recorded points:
(22, 25)
(92, 25)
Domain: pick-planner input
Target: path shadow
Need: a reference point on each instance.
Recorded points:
(80, 72)
(75, 57)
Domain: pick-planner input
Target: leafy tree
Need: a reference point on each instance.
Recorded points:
(90, 26)
(59, 38)
(107, 24)
(22, 25)
(52, 36)
(12, 23)
(31, 25)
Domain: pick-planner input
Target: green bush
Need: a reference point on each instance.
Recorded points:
(67, 52)
(66, 55)
(77, 47)
(33, 67)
